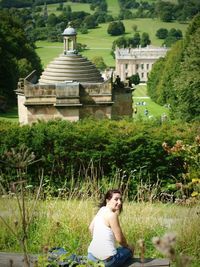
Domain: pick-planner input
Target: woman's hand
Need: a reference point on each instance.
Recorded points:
(131, 247)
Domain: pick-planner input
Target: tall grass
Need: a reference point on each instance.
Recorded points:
(65, 223)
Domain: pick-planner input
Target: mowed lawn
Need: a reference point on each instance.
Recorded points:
(141, 101)
(99, 42)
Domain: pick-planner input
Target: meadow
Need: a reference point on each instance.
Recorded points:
(99, 42)
(60, 222)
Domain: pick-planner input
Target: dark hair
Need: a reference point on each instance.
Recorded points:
(108, 196)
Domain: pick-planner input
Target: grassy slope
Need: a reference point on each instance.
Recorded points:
(155, 110)
(99, 43)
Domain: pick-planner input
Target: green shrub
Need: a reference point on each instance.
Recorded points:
(97, 151)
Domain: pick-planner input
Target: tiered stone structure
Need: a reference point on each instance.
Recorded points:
(129, 61)
(70, 88)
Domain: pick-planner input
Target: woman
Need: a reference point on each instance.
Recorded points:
(106, 231)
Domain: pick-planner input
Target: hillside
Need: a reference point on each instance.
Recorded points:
(99, 42)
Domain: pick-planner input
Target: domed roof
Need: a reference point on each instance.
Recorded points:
(72, 67)
(69, 31)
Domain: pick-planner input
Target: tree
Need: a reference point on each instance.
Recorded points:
(179, 79)
(52, 20)
(99, 62)
(187, 83)
(125, 14)
(162, 33)
(154, 78)
(167, 92)
(173, 36)
(119, 42)
(116, 28)
(136, 40)
(17, 55)
(134, 27)
(134, 79)
(165, 10)
(145, 40)
(90, 22)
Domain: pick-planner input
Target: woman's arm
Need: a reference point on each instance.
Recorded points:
(116, 228)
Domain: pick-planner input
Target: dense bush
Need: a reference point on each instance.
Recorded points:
(99, 149)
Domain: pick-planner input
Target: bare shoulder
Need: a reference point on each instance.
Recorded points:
(110, 215)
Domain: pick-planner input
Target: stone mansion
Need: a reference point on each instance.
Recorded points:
(129, 61)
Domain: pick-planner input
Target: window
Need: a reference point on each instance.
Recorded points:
(137, 66)
(142, 66)
(126, 66)
(142, 75)
(147, 66)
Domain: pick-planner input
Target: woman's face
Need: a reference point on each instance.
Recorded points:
(115, 203)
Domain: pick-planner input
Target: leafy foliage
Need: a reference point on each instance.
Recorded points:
(116, 28)
(99, 62)
(162, 33)
(135, 79)
(97, 150)
(179, 81)
(17, 54)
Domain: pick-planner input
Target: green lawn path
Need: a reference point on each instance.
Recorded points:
(154, 110)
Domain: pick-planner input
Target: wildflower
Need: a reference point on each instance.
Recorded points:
(195, 180)
(194, 194)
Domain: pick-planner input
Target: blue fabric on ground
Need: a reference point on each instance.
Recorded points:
(55, 255)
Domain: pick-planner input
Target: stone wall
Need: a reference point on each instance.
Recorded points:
(123, 103)
(71, 101)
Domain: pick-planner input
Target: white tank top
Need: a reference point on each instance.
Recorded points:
(103, 241)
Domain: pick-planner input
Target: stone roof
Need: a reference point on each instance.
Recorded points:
(72, 67)
(69, 31)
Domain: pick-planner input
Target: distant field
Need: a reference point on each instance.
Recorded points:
(113, 7)
(74, 7)
(99, 43)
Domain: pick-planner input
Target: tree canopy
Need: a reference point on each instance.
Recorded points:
(176, 80)
(116, 28)
(17, 54)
